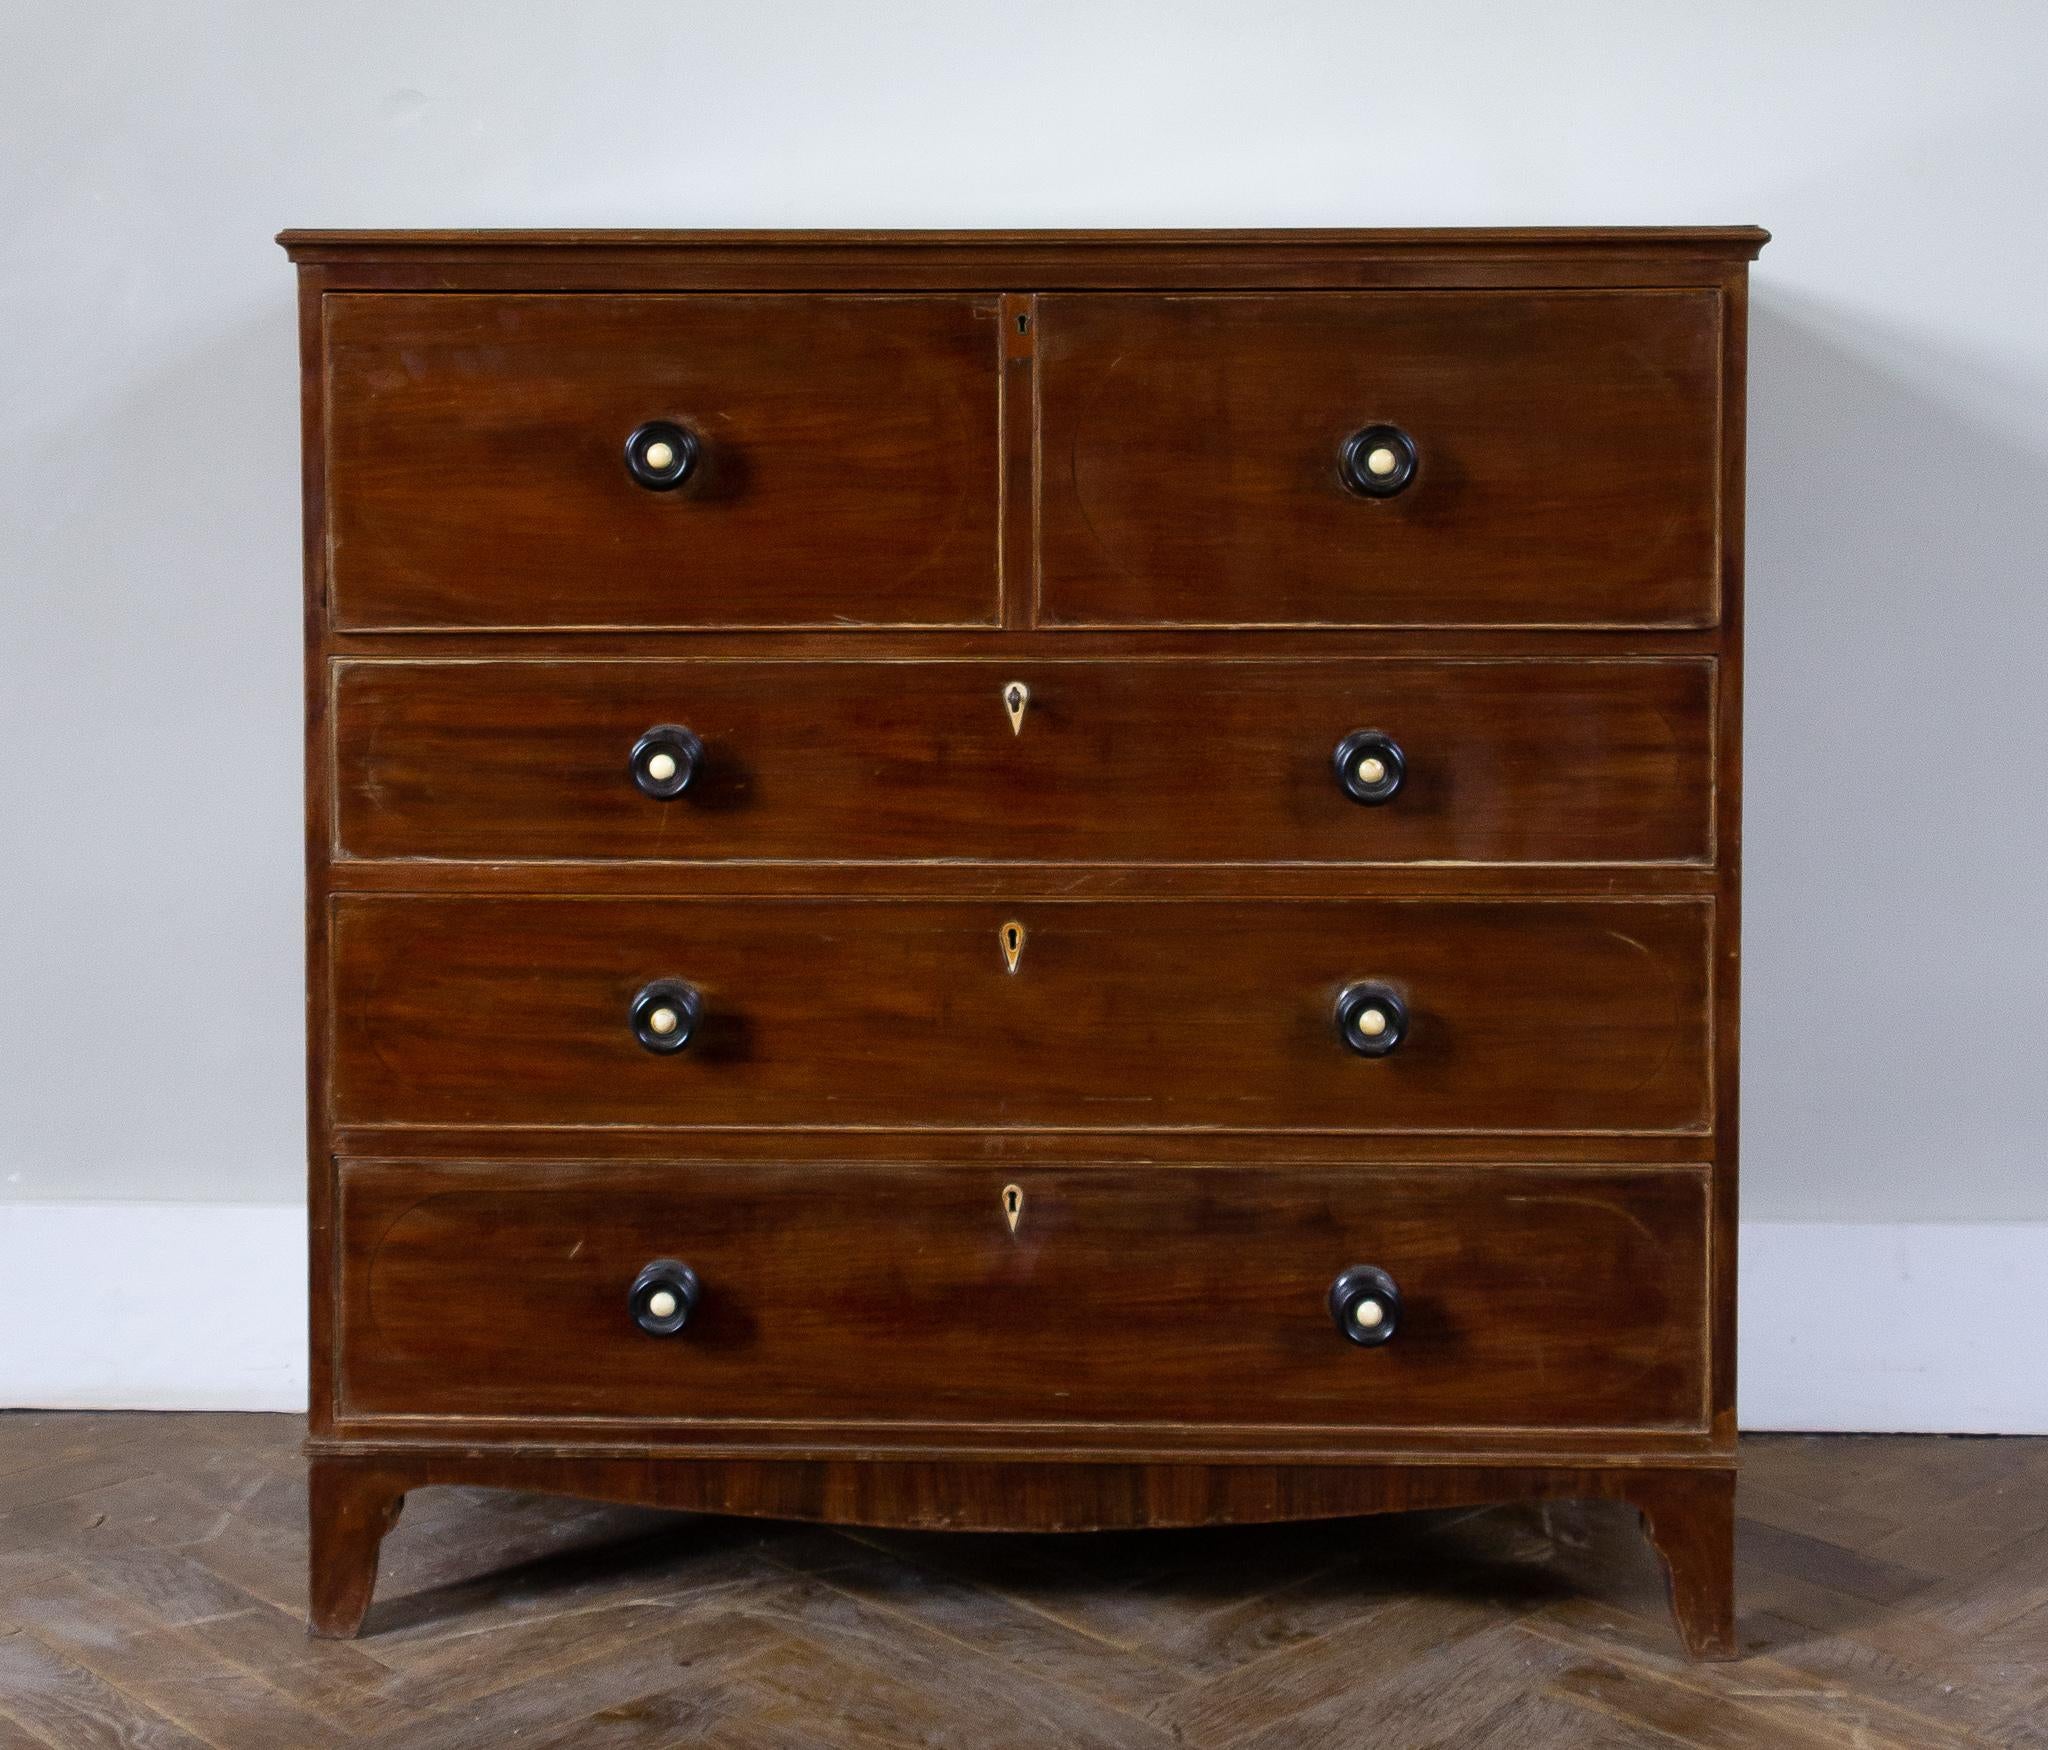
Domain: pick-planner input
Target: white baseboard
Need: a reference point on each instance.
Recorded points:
(152, 1306)
(1894, 1327)
(1853, 1328)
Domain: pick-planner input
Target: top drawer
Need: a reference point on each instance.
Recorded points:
(1565, 464)
(846, 469)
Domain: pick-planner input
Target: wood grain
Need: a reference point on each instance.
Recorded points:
(1531, 1297)
(475, 461)
(1202, 762)
(1569, 468)
(1556, 1016)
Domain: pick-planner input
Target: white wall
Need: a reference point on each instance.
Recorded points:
(149, 903)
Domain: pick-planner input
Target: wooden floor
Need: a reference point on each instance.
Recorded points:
(1894, 1592)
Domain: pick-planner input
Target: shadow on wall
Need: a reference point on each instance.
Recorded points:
(1896, 905)
(153, 1034)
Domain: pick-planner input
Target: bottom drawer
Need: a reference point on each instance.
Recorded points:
(830, 1295)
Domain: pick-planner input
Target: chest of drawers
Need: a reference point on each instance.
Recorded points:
(1024, 881)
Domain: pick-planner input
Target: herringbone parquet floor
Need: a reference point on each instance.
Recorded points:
(1894, 1593)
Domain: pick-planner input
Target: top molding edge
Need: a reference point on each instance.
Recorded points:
(1738, 242)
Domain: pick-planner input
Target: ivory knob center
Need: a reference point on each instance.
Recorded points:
(660, 456)
(662, 767)
(1369, 1315)
(1372, 770)
(663, 1021)
(1382, 461)
(662, 1304)
(1372, 1023)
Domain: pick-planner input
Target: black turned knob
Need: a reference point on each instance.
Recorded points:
(1366, 1305)
(665, 1014)
(1371, 1018)
(663, 1297)
(1370, 766)
(1378, 461)
(661, 455)
(665, 761)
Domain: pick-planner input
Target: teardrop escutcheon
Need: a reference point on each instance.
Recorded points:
(1013, 1205)
(1016, 698)
(1013, 944)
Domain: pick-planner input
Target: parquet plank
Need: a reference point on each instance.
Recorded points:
(1548, 1720)
(1829, 1564)
(1343, 1667)
(1437, 1698)
(699, 1654)
(1974, 1528)
(1789, 1510)
(1705, 1722)
(715, 1708)
(38, 1438)
(153, 1508)
(1843, 1665)
(64, 1705)
(65, 1478)
(166, 1670)
(346, 1688)
(344, 1685)
(1041, 1646)
(962, 1693)
(803, 1692)
(15, 1736)
(1637, 1677)
(468, 1668)
(168, 1588)
(1906, 1476)
(680, 1560)
(1986, 1637)
(2025, 1725)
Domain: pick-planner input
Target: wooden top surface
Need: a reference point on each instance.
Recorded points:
(1743, 241)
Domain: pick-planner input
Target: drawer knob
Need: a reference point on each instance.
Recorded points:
(665, 761)
(663, 1297)
(1378, 461)
(1371, 1018)
(1365, 1304)
(661, 455)
(1370, 767)
(665, 1014)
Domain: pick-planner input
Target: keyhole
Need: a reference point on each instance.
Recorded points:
(1013, 945)
(1013, 1205)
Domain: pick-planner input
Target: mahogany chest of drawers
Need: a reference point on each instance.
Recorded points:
(1024, 881)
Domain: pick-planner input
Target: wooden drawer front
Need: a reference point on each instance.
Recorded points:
(476, 460)
(1529, 1297)
(1142, 762)
(1568, 445)
(1528, 1016)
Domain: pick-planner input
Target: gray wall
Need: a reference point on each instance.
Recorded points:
(149, 792)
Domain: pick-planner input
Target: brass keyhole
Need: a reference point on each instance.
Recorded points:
(1013, 945)
(1016, 699)
(1013, 1205)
